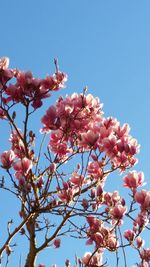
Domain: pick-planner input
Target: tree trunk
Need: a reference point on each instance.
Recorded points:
(31, 257)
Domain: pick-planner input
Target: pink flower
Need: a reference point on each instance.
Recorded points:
(140, 197)
(7, 158)
(140, 242)
(118, 211)
(95, 169)
(57, 243)
(144, 264)
(143, 198)
(89, 138)
(4, 62)
(22, 167)
(17, 144)
(93, 221)
(2, 114)
(95, 260)
(129, 235)
(86, 258)
(133, 179)
(52, 167)
(65, 195)
(50, 120)
(112, 242)
(111, 199)
(85, 203)
(145, 254)
(77, 180)
(61, 78)
(40, 182)
(41, 265)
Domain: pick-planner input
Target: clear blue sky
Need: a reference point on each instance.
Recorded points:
(102, 44)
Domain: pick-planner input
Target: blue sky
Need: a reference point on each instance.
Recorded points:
(102, 44)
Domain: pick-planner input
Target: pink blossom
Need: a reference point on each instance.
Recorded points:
(118, 211)
(55, 82)
(2, 114)
(144, 264)
(133, 179)
(4, 62)
(57, 243)
(89, 138)
(93, 222)
(140, 242)
(140, 197)
(59, 145)
(52, 167)
(17, 144)
(77, 180)
(143, 198)
(65, 195)
(129, 235)
(112, 242)
(50, 120)
(61, 78)
(142, 219)
(41, 265)
(145, 254)
(40, 182)
(111, 199)
(22, 167)
(95, 169)
(7, 158)
(95, 260)
(5, 73)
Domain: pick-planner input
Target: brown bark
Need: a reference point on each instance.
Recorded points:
(31, 257)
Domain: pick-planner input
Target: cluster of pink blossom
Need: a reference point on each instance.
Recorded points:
(20, 166)
(115, 204)
(66, 193)
(16, 139)
(77, 126)
(16, 158)
(139, 243)
(78, 121)
(133, 180)
(69, 119)
(27, 89)
(103, 237)
(117, 143)
(71, 187)
(92, 260)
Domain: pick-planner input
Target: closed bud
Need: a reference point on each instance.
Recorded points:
(8, 249)
(67, 263)
(14, 115)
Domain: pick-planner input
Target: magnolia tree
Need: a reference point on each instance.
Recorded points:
(60, 184)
